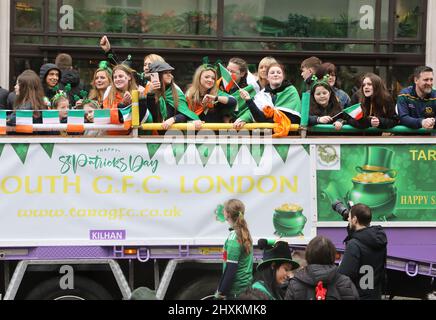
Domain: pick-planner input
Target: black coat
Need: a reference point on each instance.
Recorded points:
(72, 77)
(366, 247)
(302, 285)
(3, 98)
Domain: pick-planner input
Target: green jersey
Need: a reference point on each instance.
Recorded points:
(234, 253)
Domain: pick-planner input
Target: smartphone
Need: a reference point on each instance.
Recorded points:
(154, 77)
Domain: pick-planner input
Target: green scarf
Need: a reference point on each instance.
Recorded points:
(242, 111)
(182, 107)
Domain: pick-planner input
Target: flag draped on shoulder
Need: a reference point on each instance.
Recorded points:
(24, 121)
(75, 121)
(228, 79)
(2, 122)
(355, 111)
(242, 111)
(182, 105)
(50, 117)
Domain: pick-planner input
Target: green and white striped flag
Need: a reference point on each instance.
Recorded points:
(127, 116)
(24, 121)
(102, 116)
(76, 120)
(50, 117)
(2, 122)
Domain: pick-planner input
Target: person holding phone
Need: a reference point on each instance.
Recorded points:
(141, 78)
(166, 102)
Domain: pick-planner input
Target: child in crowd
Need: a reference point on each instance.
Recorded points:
(238, 253)
(341, 95)
(324, 107)
(264, 64)
(310, 67)
(61, 103)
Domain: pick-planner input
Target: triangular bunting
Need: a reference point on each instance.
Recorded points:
(205, 151)
(256, 151)
(282, 150)
(21, 150)
(48, 148)
(1, 148)
(231, 151)
(152, 149)
(179, 150)
(307, 148)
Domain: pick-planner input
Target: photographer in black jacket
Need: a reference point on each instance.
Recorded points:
(364, 259)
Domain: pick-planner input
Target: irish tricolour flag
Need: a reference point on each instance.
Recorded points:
(354, 111)
(102, 116)
(228, 79)
(24, 121)
(2, 122)
(76, 120)
(127, 117)
(50, 117)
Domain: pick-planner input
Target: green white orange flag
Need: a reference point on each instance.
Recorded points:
(2, 122)
(75, 121)
(228, 79)
(102, 116)
(24, 121)
(354, 111)
(127, 116)
(50, 117)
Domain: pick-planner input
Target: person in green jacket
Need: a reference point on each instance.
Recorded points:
(275, 269)
(238, 253)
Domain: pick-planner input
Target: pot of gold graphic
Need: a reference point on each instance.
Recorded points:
(374, 183)
(288, 220)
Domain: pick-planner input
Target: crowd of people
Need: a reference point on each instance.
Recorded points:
(229, 94)
(279, 276)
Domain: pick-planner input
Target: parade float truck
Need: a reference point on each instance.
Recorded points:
(95, 218)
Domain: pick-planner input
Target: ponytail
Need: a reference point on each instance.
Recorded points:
(236, 209)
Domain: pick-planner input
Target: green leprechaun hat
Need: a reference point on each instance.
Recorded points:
(377, 159)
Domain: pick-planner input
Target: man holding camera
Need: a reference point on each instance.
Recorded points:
(364, 259)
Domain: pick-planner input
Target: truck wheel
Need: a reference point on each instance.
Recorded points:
(199, 289)
(84, 289)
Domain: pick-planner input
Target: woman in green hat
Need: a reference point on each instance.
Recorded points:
(275, 269)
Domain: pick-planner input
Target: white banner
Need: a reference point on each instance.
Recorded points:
(150, 194)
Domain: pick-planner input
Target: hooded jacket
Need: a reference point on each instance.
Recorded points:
(366, 247)
(43, 72)
(3, 98)
(302, 285)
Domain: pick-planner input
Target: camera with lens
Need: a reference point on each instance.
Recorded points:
(341, 208)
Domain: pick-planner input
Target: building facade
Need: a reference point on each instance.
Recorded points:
(388, 37)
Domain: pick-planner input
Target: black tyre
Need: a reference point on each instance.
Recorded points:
(84, 289)
(199, 289)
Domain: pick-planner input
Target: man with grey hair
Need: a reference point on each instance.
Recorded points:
(416, 105)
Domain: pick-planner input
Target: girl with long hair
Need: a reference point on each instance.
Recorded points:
(262, 69)
(206, 100)
(377, 104)
(166, 102)
(101, 80)
(30, 96)
(238, 253)
(324, 106)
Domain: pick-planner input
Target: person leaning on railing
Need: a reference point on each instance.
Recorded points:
(324, 106)
(416, 104)
(377, 105)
